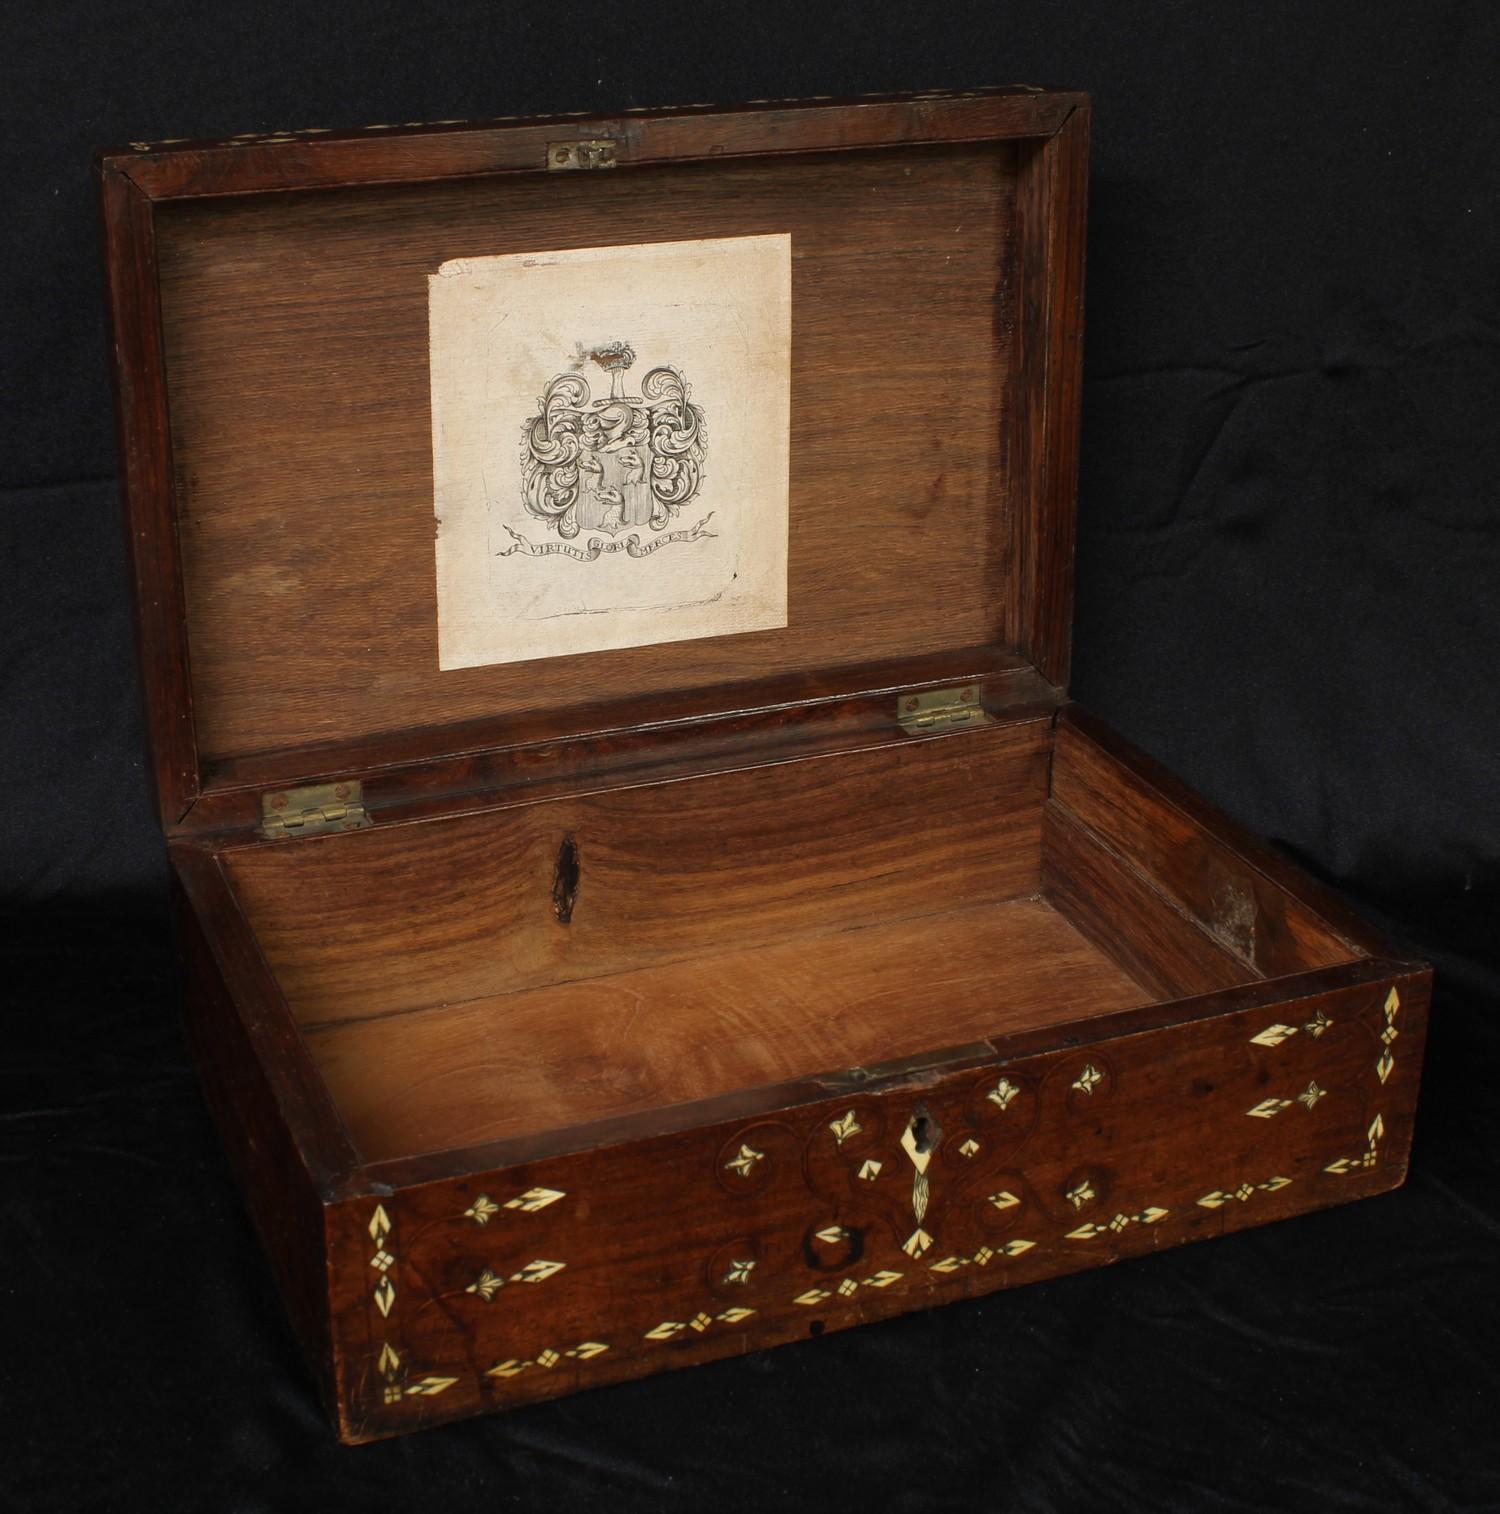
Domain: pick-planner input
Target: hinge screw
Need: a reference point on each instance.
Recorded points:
(278, 802)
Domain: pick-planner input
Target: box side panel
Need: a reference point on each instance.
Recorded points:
(141, 424)
(658, 873)
(465, 1295)
(1116, 906)
(316, 158)
(1051, 202)
(280, 1194)
(1255, 905)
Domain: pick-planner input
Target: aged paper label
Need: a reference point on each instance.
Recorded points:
(609, 440)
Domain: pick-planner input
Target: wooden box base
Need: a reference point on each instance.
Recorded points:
(579, 1088)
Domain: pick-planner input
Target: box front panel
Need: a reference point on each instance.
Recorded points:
(463, 1296)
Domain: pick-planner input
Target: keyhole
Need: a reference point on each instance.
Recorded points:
(565, 879)
(920, 1138)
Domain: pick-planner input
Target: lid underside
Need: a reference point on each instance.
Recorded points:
(295, 341)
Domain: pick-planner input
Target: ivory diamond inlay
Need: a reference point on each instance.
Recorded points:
(534, 1199)
(1244, 1193)
(1367, 1157)
(1386, 1065)
(1152, 1214)
(983, 1257)
(547, 1358)
(698, 1322)
(917, 1242)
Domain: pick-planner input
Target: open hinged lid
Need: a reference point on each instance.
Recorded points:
(732, 422)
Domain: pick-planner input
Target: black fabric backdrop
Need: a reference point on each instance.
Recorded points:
(1288, 591)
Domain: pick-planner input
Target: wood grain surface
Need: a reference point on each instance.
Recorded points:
(513, 1064)
(1210, 880)
(746, 1231)
(296, 348)
(402, 916)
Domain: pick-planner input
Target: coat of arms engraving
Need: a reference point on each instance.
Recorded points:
(594, 468)
(611, 432)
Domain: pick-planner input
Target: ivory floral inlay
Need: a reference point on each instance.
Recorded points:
(1267, 1108)
(1274, 1035)
(1079, 1195)
(489, 1283)
(482, 1209)
(745, 1161)
(1002, 1093)
(1089, 1079)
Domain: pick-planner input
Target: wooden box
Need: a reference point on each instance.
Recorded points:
(576, 1015)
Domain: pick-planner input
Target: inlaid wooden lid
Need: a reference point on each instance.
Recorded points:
(895, 282)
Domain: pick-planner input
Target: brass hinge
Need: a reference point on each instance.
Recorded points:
(312, 810)
(570, 155)
(941, 710)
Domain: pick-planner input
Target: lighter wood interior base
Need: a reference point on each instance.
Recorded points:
(511, 973)
(513, 1064)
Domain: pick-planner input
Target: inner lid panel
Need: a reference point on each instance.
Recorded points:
(296, 337)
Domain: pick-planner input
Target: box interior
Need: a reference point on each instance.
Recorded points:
(579, 949)
(546, 965)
